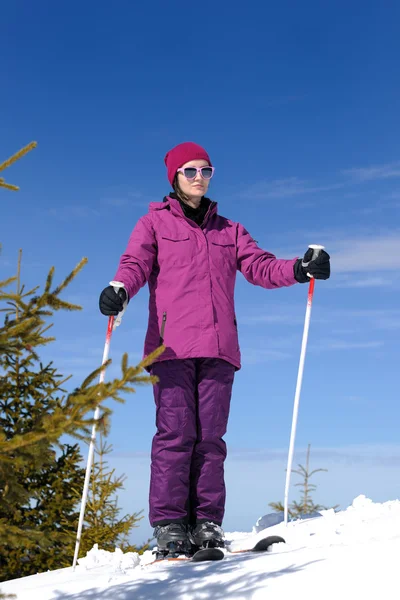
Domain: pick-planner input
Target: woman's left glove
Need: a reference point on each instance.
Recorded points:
(111, 302)
(320, 268)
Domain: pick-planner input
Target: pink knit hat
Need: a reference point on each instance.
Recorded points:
(182, 154)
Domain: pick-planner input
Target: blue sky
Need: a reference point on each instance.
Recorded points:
(297, 105)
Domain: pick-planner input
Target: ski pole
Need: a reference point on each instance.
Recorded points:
(112, 323)
(316, 250)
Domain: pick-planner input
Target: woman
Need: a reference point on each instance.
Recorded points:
(189, 255)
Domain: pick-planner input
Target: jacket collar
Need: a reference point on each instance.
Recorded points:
(176, 208)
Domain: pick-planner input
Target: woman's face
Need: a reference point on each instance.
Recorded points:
(197, 187)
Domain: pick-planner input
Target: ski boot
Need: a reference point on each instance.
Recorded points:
(207, 535)
(172, 541)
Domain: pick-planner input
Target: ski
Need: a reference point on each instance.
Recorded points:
(168, 559)
(213, 554)
(205, 554)
(262, 545)
(202, 555)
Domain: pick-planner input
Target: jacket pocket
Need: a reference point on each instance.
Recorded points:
(175, 249)
(176, 237)
(223, 253)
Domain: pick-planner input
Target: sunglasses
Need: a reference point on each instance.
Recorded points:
(191, 172)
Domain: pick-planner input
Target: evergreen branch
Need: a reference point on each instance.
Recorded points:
(8, 186)
(70, 277)
(7, 163)
(10, 161)
(16, 298)
(95, 374)
(300, 471)
(58, 304)
(317, 470)
(71, 417)
(5, 283)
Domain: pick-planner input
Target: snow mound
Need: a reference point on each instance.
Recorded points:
(348, 554)
(275, 518)
(117, 560)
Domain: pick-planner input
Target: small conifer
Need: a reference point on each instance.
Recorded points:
(306, 505)
(39, 475)
(103, 524)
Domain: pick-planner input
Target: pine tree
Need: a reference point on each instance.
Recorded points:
(306, 504)
(103, 524)
(42, 479)
(15, 188)
(38, 474)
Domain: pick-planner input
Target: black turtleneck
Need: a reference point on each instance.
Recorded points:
(194, 214)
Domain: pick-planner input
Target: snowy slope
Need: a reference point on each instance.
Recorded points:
(353, 554)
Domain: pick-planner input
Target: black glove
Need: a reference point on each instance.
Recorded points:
(111, 302)
(320, 268)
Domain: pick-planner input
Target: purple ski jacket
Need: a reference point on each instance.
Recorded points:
(191, 273)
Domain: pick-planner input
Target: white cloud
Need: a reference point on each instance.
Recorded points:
(375, 454)
(385, 171)
(394, 196)
(346, 345)
(377, 318)
(125, 201)
(364, 282)
(255, 356)
(285, 188)
(289, 319)
(123, 196)
(295, 186)
(115, 202)
(73, 211)
(380, 253)
(388, 322)
(119, 197)
(363, 252)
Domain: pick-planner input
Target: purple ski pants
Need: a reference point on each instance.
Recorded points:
(187, 458)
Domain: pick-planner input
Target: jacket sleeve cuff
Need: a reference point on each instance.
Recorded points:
(299, 273)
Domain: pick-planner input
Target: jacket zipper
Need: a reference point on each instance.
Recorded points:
(164, 320)
(207, 215)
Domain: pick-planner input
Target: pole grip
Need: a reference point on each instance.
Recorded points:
(316, 248)
(117, 285)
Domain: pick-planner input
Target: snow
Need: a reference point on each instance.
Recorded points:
(348, 555)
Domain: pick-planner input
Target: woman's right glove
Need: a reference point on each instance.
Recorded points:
(111, 302)
(320, 268)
